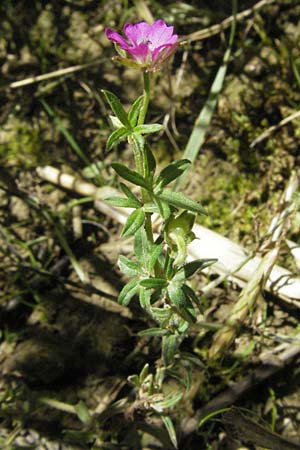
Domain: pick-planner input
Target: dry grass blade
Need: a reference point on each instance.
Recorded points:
(204, 118)
(271, 363)
(250, 431)
(253, 290)
(55, 74)
(273, 128)
(218, 28)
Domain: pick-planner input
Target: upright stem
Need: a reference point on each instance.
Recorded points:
(140, 159)
(143, 112)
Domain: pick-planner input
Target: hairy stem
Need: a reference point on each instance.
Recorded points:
(143, 112)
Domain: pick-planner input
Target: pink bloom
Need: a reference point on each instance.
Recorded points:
(148, 45)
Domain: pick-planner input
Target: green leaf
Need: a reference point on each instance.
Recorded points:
(162, 207)
(117, 108)
(139, 142)
(192, 296)
(134, 222)
(134, 379)
(145, 298)
(125, 189)
(204, 118)
(190, 268)
(181, 301)
(168, 267)
(150, 161)
(167, 402)
(115, 122)
(68, 136)
(179, 200)
(116, 137)
(128, 291)
(128, 267)
(161, 314)
(153, 255)
(169, 348)
(154, 283)
(92, 170)
(148, 128)
(170, 173)
(141, 247)
(83, 413)
(122, 202)
(170, 429)
(183, 326)
(151, 332)
(191, 358)
(130, 175)
(134, 111)
(151, 207)
(144, 373)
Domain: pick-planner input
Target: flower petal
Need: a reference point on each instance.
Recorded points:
(137, 33)
(161, 34)
(116, 37)
(161, 54)
(141, 53)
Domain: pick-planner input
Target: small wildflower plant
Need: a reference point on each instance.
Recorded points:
(159, 272)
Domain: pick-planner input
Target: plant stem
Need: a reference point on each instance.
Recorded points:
(140, 158)
(143, 112)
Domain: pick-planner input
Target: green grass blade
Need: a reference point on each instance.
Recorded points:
(82, 275)
(203, 120)
(71, 140)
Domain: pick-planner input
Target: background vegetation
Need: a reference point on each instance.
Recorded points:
(66, 349)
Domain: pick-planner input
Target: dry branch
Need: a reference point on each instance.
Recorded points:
(219, 27)
(208, 244)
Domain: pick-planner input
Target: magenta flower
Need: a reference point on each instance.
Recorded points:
(148, 45)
